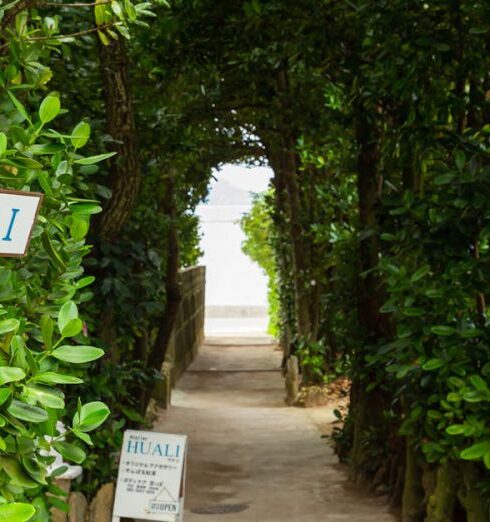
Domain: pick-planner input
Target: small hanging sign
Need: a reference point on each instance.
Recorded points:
(18, 212)
(151, 478)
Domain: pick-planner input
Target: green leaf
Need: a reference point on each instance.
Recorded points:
(70, 452)
(50, 108)
(486, 460)
(420, 273)
(453, 397)
(476, 451)
(45, 148)
(47, 327)
(72, 328)
(85, 208)
(444, 179)
(459, 159)
(4, 395)
(9, 325)
(67, 313)
(20, 108)
(16, 512)
(456, 382)
(26, 412)
(95, 159)
(90, 416)
(85, 281)
(52, 252)
(413, 311)
(83, 436)
(478, 383)
(433, 364)
(443, 330)
(16, 474)
(3, 144)
(56, 378)
(79, 227)
(10, 374)
(456, 429)
(80, 135)
(48, 397)
(78, 354)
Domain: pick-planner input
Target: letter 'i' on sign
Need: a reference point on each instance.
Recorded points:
(151, 478)
(18, 212)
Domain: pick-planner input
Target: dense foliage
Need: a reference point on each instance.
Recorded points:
(373, 115)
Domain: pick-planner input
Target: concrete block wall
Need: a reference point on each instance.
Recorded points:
(188, 332)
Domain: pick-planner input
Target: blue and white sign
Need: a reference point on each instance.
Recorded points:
(18, 212)
(151, 478)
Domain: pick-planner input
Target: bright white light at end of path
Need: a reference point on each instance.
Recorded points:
(253, 179)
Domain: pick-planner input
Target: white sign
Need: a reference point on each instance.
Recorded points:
(18, 211)
(151, 478)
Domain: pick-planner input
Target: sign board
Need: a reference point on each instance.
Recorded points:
(151, 478)
(18, 212)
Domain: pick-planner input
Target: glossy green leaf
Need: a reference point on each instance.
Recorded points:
(455, 429)
(50, 108)
(90, 416)
(47, 327)
(9, 325)
(67, 313)
(70, 452)
(85, 208)
(3, 144)
(476, 451)
(77, 354)
(443, 330)
(56, 378)
(80, 135)
(47, 397)
(85, 437)
(5, 394)
(26, 412)
(478, 383)
(16, 512)
(16, 474)
(85, 281)
(433, 364)
(95, 159)
(20, 108)
(420, 273)
(72, 328)
(11, 374)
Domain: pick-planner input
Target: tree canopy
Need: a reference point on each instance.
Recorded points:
(374, 117)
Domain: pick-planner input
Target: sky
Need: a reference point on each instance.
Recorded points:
(255, 179)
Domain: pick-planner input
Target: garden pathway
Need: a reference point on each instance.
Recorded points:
(249, 451)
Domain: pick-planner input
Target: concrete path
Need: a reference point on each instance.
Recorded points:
(251, 454)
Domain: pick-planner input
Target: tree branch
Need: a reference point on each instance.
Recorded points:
(71, 35)
(76, 4)
(12, 13)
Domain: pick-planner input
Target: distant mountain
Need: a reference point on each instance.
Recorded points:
(223, 193)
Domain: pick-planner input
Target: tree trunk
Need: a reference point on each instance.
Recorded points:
(367, 406)
(287, 170)
(125, 174)
(159, 349)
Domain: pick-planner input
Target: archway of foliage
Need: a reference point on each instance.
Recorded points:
(373, 115)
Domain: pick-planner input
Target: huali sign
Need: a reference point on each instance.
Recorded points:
(18, 212)
(151, 479)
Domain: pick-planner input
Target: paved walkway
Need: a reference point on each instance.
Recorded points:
(250, 453)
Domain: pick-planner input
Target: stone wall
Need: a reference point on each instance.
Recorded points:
(188, 331)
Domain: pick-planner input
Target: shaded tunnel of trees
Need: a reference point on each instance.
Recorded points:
(374, 234)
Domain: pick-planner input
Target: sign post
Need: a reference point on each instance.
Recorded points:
(18, 212)
(151, 478)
